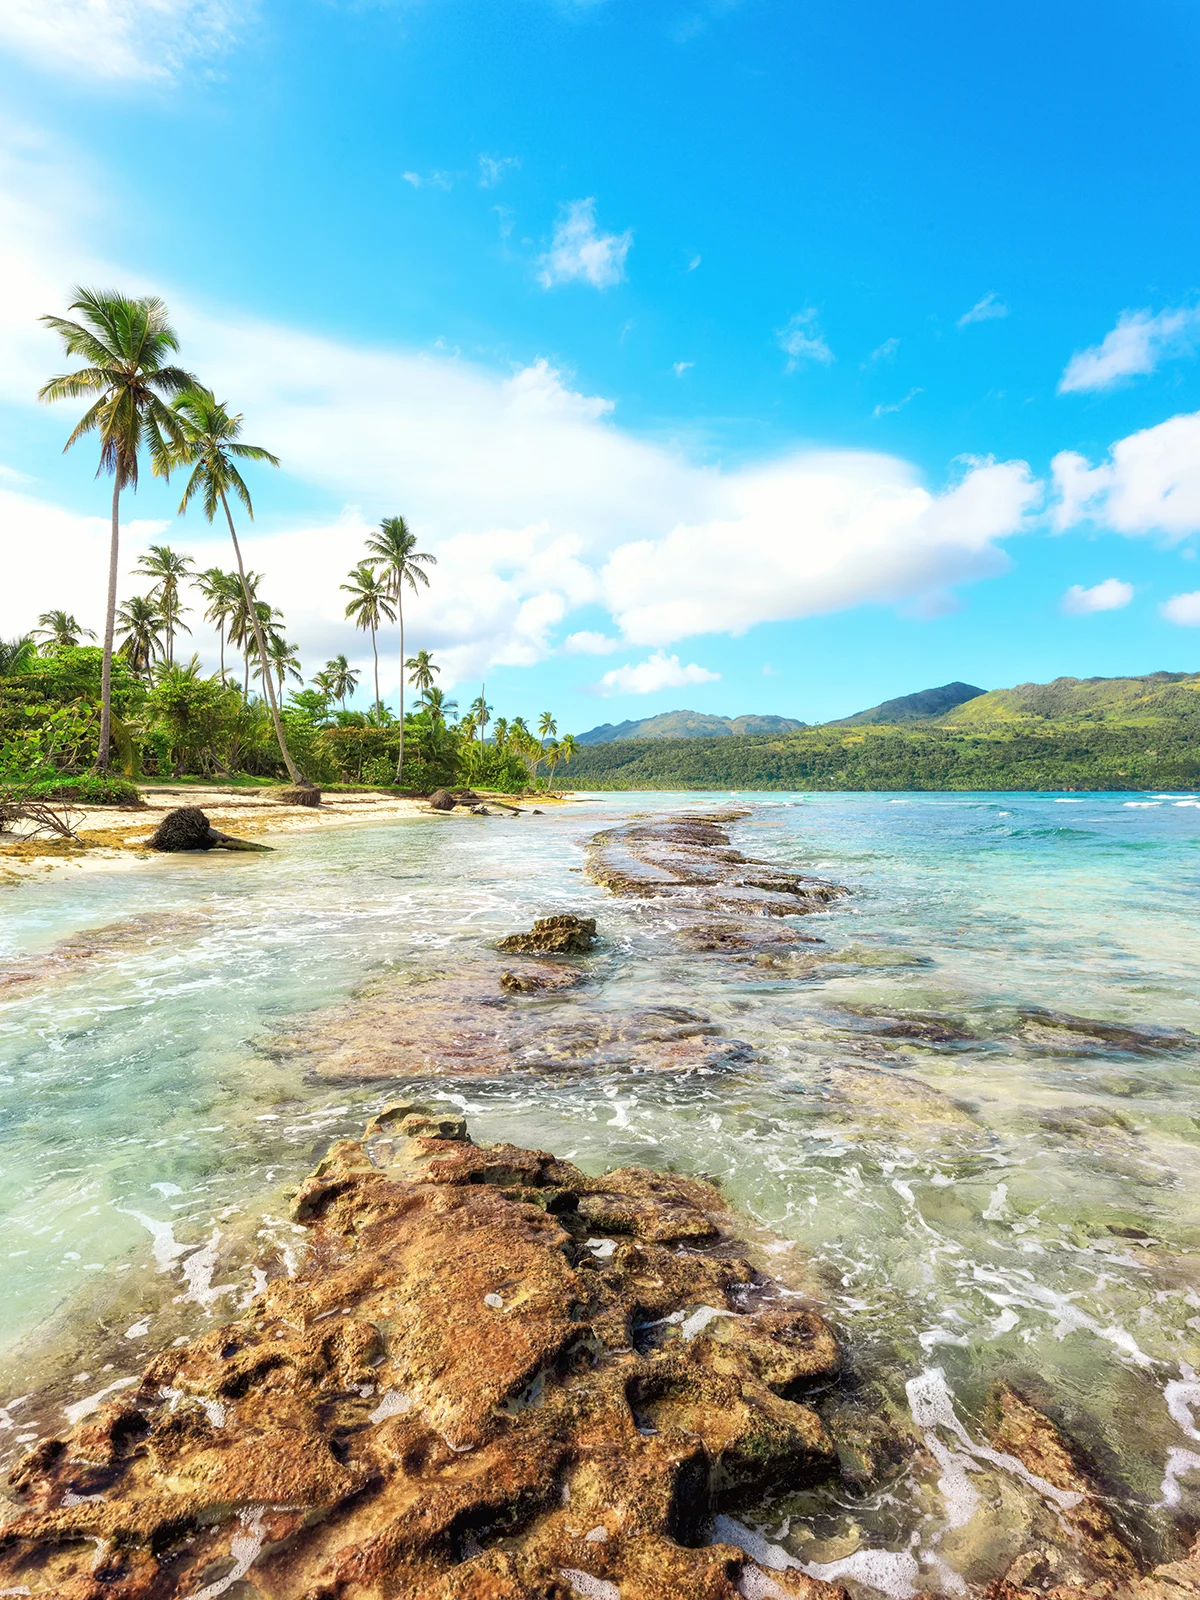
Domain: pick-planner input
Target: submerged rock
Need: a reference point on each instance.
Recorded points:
(464, 1394)
(1060, 1031)
(187, 828)
(565, 935)
(541, 977)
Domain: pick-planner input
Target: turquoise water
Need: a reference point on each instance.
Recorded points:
(992, 1199)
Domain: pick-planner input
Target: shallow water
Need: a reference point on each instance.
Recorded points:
(998, 1197)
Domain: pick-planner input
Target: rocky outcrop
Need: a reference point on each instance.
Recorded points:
(187, 828)
(564, 935)
(494, 1378)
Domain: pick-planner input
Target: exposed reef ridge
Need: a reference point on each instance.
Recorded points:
(723, 895)
(494, 1378)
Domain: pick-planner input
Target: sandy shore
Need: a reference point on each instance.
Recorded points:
(114, 839)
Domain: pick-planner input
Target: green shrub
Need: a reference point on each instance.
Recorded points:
(85, 789)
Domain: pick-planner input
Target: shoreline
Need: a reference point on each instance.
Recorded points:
(114, 839)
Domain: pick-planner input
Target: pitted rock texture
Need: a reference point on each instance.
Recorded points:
(689, 862)
(560, 936)
(495, 1378)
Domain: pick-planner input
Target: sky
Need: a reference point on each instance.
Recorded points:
(736, 355)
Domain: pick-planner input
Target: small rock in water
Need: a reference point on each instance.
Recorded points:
(565, 935)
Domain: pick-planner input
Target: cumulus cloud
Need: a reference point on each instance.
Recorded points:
(590, 644)
(117, 39)
(537, 503)
(659, 671)
(802, 340)
(1183, 609)
(1111, 595)
(1150, 483)
(1135, 347)
(985, 310)
(580, 253)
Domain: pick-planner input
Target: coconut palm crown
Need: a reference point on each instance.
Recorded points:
(126, 345)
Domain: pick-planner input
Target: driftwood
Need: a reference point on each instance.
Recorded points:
(187, 828)
(42, 817)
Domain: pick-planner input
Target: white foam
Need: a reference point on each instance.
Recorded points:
(893, 1572)
(198, 1272)
(1179, 1462)
(601, 1248)
(1180, 1398)
(585, 1584)
(391, 1404)
(727, 1530)
(754, 1584)
(244, 1548)
(165, 1247)
(84, 1408)
(699, 1320)
(997, 1203)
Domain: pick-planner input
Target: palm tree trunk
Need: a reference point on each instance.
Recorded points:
(221, 637)
(400, 614)
(110, 623)
(375, 653)
(293, 771)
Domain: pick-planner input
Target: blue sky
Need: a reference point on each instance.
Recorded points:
(749, 356)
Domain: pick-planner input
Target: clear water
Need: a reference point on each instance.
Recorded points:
(1036, 1216)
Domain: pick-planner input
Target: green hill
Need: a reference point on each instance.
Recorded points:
(689, 725)
(1093, 733)
(923, 706)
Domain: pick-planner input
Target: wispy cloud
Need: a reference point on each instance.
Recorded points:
(802, 340)
(882, 410)
(1183, 609)
(1132, 349)
(680, 367)
(579, 252)
(884, 352)
(1111, 595)
(427, 180)
(659, 671)
(693, 263)
(493, 168)
(985, 310)
(119, 39)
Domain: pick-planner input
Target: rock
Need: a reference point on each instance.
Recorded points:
(441, 800)
(531, 980)
(302, 794)
(187, 828)
(447, 1402)
(1058, 1030)
(1020, 1430)
(480, 811)
(564, 935)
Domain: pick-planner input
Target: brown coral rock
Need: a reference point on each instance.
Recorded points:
(565, 935)
(495, 1378)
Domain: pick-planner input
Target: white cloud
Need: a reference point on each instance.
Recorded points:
(897, 405)
(884, 352)
(1150, 483)
(985, 310)
(412, 177)
(1133, 348)
(493, 168)
(1111, 595)
(693, 263)
(535, 501)
(680, 367)
(590, 644)
(580, 252)
(117, 39)
(659, 671)
(802, 340)
(1183, 609)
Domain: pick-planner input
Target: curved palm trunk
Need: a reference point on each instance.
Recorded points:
(375, 653)
(400, 614)
(293, 771)
(110, 623)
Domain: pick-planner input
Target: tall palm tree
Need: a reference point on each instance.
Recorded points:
(283, 657)
(168, 569)
(58, 630)
(341, 678)
(394, 550)
(369, 605)
(126, 345)
(17, 655)
(221, 590)
(438, 707)
(142, 623)
(421, 669)
(209, 444)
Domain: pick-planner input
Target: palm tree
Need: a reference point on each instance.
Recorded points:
(58, 630)
(142, 622)
(168, 569)
(394, 550)
(209, 445)
(17, 655)
(421, 668)
(369, 605)
(221, 590)
(438, 707)
(341, 678)
(126, 345)
(283, 657)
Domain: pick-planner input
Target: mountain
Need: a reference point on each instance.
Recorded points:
(923, 706)
(689, 725)
(1156, 697)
